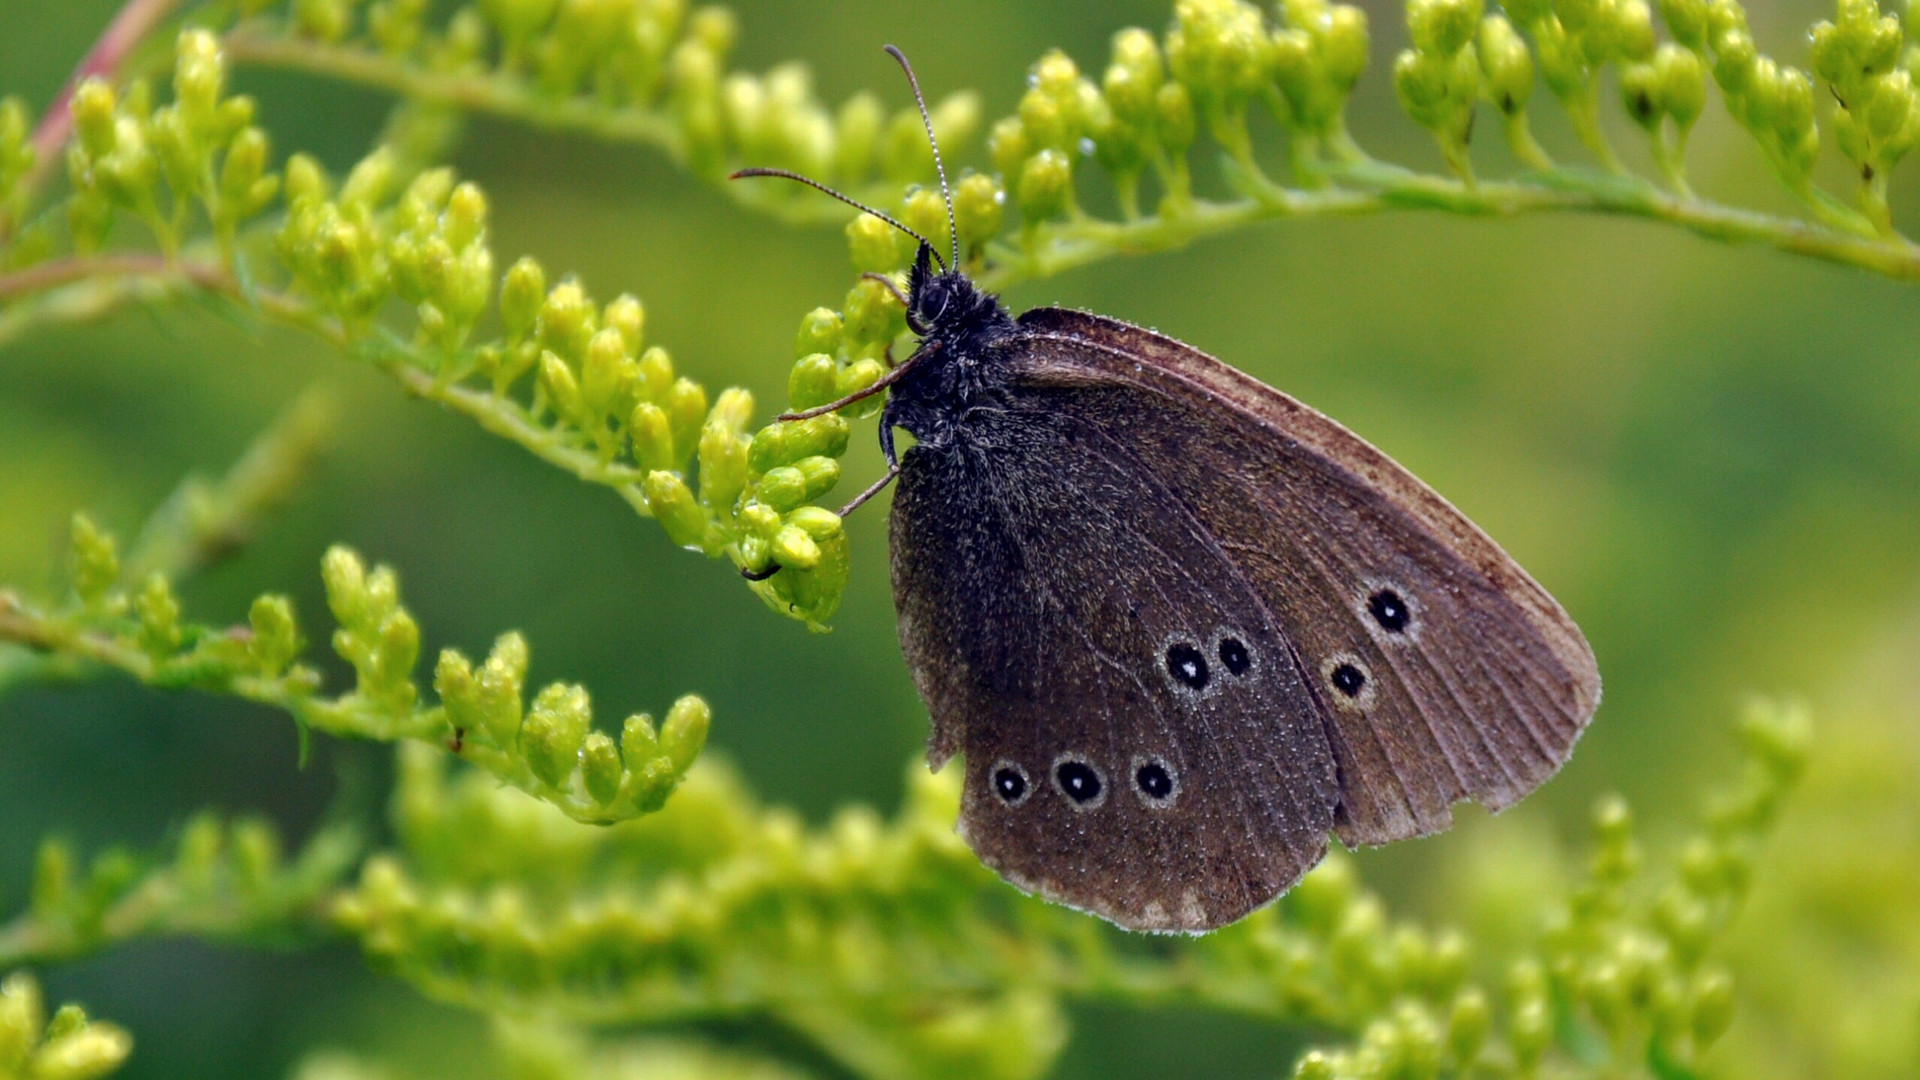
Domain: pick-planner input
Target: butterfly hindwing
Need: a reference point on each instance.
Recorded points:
(1443, 671)
(1139, 740)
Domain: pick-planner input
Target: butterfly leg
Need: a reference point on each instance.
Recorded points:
(877, 385)
(913, 324)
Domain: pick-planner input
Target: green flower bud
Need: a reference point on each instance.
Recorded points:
(600, 767)
(1421, 83)
(686, 408)
(874, 244)
(723, 451)
(368, 182)
(1793, 118)
(322, 20)
(873, 318)
(92, 1051)
(818, 522)
(465, 221)
(1176, 122)
(22, 1017)
(1880, 48)
(522, 294)
(1683, 83)
(159, 615)
(856, 377)
(811, 478)
(1009, 147)
(684, 733)
(820, 332)
(561, 388)
(1046, 185)
(1315, 1065)
(857, 127)
(1736, 62)
(453, 683)
(609, 378)
(760, 520)
(1467, 1025)
(1780, 737)
(1890, 104)
(1562, 67)
(566, 321)
(672, 503)
(245, 186)
(925, 212)
(93, 108)
(1043, 122)
(96, 561)
(956, 118)
(498, 688)
(638, 743)
(1507, 64)
(811, 383)
(1687, 21)
(652, 437)
(1343, 41)
(656, 374)
(1134, 77)
(792, 547)
(979, 210)
(1641, 92)
(789, 441)
(199, 77)
(1832, 59)
(1713, 1003)
(781, 488)
(1624, 30)
(1530, 1030)
(554, 729)
(16, 147)
(1443, 27)
(628, 318)
(275, 639)
(390, 677)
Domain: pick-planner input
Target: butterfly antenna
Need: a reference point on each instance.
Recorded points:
(926, 119)
(741, 174)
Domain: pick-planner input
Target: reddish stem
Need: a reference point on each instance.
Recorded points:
(131, 26)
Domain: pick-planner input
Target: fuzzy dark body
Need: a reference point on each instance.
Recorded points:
(1089, 502)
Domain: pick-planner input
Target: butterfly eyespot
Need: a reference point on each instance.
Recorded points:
(1234, 656)
(1390, 610)
(1352, 684)
(1187, 666)
(1009, 782)
(1079, 781)
(1155, 782)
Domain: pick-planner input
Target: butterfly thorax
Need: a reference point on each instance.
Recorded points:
(956, 362)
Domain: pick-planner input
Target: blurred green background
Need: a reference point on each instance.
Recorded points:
(1711, 455)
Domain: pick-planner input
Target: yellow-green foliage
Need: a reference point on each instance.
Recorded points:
(66, 1047)
(881, 944)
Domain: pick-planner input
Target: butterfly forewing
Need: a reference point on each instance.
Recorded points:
(1443, 671)
(1139, 739)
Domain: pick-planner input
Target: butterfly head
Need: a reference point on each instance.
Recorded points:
(943, 304)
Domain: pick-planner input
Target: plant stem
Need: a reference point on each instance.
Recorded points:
(1371, 186)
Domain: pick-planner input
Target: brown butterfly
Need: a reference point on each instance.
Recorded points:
(1183, 627)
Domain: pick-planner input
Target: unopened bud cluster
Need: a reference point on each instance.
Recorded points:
(199, 153)
(233, 875)
(66, 1046)
(1218, 59)
(654, 67)
(547, 748)
(1625, 972)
